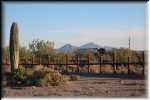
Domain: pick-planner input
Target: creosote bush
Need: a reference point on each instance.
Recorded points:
(19, 76)
(43, 77)
(48, 77)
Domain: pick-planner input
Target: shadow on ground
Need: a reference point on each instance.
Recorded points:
(107, 75)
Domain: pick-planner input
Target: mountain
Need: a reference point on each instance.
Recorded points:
(90, 45)
(67, 48)
(70, 48)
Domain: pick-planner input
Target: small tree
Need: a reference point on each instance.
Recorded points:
(41, 48)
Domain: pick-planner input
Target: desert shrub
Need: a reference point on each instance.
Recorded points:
(19, 74)
(25, 76)
(36, 81)
(74, 77)
(43, 77)
(46, 77)
(41, 82)
(53, 78)
(38, 74)
(47, 70)
(29, 72)
(18, 77)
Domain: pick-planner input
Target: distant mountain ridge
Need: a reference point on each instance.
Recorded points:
(70, 48)
(67, 48)
(90, 45)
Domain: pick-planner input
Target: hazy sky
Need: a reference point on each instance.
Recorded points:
(107, 24)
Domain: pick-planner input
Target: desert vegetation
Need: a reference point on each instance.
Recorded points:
(39, 72)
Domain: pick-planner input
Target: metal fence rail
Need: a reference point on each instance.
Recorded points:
(78, 62)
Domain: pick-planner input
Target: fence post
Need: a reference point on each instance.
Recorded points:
(78, 64)
(55, 62)
(143, 55)
(66, 62)
(26, 61)
(88, 63)
(6, 60)
(48, 61)
(114, 62)
(52, 62)
(100, 64)
(32, 60)
(128, 64)
(40, 61)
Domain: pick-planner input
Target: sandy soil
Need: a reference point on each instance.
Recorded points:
(86, 86)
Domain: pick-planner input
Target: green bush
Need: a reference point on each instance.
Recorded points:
(53, 78)
(74, 77)
(19, 74)
(43, 77)
(37, 82)
(18, 77)
(47, 77)
(29, 72)
(41, 82)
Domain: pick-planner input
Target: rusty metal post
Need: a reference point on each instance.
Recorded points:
(128, 64)
(88, 63)
(40, 61)
(114, 62)
(26, 61)
(48, 60)
(29, 59)
(6, 60)
(143, 71)
(66, 62)
(55, 60)
(78, 64)
(100, 64)
(52, 62)
(32, 60)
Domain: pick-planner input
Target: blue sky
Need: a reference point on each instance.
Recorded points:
(107, 24)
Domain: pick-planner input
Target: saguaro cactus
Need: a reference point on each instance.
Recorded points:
(14, 46)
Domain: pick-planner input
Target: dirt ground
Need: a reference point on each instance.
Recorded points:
(93, 86)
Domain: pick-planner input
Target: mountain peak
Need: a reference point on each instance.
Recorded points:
(90, 45)
(67, 48)
(67, 45)
(70, 48)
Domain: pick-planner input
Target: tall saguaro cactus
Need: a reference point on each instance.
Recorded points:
(14, 46)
